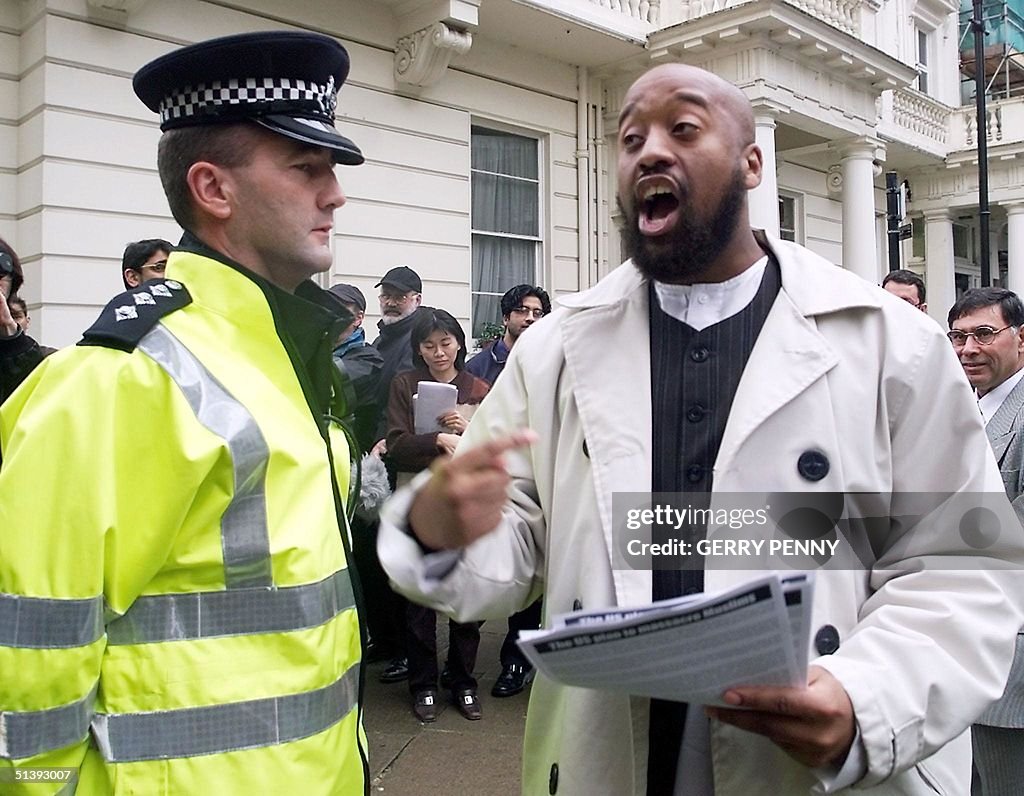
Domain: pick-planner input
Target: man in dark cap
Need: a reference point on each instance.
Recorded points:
(400, 298)
(203, 631)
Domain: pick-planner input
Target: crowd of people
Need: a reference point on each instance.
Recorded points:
(212, 632)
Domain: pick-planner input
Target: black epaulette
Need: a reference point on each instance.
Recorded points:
(131, 315)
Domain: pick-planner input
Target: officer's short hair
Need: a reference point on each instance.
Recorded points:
(226, 145)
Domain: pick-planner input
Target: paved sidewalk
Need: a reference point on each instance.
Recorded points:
(452, 756)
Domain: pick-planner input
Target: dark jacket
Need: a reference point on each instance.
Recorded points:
(408, 451)
(19, 356)
(490, 362)
(362, 364)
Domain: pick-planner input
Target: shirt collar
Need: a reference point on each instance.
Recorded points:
(704, 304)
(990, 402)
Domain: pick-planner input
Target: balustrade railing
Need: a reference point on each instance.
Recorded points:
(644, 10)
(842, 14)
(921, 114)
(993, 124)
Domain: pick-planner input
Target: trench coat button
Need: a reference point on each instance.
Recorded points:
(695, 413)
(826, 640)
(694, 473)
(577, 605)
(586, 450)
(812, 465)
(553, 779)
(699, 354)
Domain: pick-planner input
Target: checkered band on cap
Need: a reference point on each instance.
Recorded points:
(250, 97)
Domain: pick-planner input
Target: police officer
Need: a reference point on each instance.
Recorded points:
(174, 576)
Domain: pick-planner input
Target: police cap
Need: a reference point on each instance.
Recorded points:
(286, 81)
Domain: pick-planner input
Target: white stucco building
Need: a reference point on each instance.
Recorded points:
(489, 132)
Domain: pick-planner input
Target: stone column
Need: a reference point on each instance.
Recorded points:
(938, 263)
(860, 247)
(764, 199)
(1015, 246)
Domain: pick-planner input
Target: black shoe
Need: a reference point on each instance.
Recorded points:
(468, 703)
(513, 679)
(396, 671)
(446, 678)
(424, 705)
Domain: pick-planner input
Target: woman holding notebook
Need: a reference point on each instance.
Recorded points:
(439, 356)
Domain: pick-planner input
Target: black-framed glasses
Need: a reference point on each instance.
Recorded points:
(536, 312)
(983, 335)
(6, 264)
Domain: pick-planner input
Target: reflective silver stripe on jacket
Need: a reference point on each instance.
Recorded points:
(38, 731)
(178, 617)
(49, 623)
(244, 536)
(214, 729)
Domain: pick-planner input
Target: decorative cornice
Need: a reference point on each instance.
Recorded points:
(422, 57)
(781, 26)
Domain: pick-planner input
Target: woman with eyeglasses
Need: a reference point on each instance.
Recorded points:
(19, 353)
(439, 355)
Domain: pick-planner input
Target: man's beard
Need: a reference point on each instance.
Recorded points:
(691, 248)
(387, 320)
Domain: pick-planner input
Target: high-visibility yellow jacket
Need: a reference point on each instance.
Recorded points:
(176, 611)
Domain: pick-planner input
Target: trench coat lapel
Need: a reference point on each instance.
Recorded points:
(789, 355)
(607, 353)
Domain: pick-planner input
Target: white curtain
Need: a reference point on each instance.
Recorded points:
(505, 200)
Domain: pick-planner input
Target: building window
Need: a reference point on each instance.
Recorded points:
(962, 243)
(917, 237)
(505, 174)
(789, 220)
(922, 60)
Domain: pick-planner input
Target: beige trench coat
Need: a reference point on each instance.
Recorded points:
(839, 367)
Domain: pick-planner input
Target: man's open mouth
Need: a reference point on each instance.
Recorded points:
(658, 208)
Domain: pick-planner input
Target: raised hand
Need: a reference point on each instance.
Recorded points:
(464, 498)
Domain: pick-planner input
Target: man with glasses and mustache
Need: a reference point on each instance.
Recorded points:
(719, 359)
(144, 260)
(521, 307)
(986, 328)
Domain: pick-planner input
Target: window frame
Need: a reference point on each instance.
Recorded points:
(798, 215)
(539, 240)
(923, 47)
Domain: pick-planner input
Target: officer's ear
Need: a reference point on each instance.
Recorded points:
(132, 278)
(210, 186)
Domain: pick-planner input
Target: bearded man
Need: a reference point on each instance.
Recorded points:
(719, 360)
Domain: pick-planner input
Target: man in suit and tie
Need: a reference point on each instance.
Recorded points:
(987, 331)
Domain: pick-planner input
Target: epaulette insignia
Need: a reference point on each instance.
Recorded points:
(131, 315)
